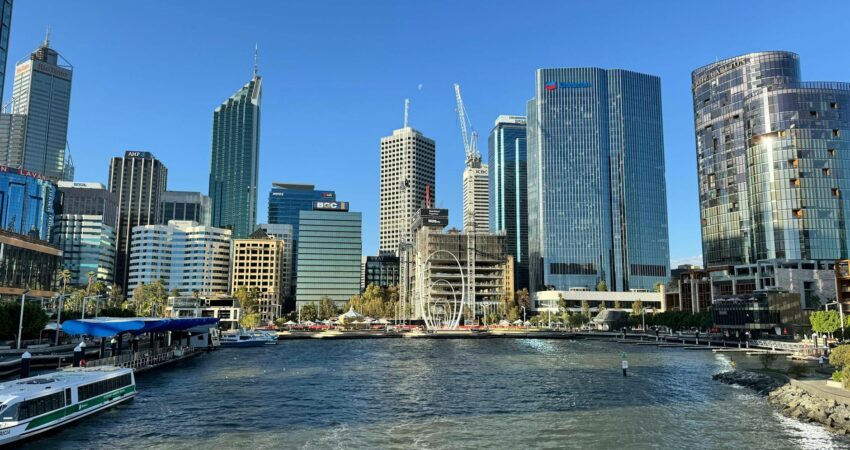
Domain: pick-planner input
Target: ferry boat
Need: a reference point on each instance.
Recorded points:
(33, 405)
(242, 339)
(270, 337)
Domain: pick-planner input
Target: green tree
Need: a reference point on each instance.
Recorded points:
(585, 308)
(825, 321)
(523, 298)
(250, 320)
(601, 286)
(514, 314)
(174, 293)
(65, 276)
(577, 320)
(637, 307)
(562, 304)
(327, 308)
(617, 305)
(658, 287)
(309, 312)
(248, 299)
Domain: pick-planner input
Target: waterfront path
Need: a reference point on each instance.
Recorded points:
(820, 388)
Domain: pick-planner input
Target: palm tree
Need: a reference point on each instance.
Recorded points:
(65, 275)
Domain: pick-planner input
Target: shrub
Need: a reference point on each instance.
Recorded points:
(840, 356)
(798, 370)
(767, 359)
(845, 377)
(837, 375)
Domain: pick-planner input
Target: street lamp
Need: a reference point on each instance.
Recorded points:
(21, 322)
(59, 318)
(840, 314)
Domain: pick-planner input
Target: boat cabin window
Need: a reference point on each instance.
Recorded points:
(40, 405)
(91, 390)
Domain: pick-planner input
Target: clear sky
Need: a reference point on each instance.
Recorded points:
(148, 74)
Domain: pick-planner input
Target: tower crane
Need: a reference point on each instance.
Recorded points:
(470, 139)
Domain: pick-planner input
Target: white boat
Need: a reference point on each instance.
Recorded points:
(241, 338)
(33, 405)
(270, 337)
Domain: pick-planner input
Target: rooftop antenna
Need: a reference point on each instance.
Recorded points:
(406, 111)
(256, 58)
(47, 37)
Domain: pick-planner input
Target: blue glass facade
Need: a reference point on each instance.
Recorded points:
(27, 202)
(286, 201)
(329, 255)
(596, 187)
(508, 190)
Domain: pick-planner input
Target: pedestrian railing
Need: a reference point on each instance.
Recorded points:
(137, 360)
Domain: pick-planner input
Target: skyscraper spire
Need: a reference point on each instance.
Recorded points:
(47, 37)
(256, 58)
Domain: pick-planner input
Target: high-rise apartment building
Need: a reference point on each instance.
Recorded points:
(138, 181)
(85, 231)
(187, 256)
(596, 187)
(234, 165)
(476, 197)
(184, 205)
(5, 28)
(42, 93)
(287, 200)
(770, 152)
(329, 250)
(263, 262)
(509, 190)
(407, 183)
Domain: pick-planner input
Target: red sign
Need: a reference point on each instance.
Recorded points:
(24, 172)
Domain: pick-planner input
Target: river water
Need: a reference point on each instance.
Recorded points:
(442, 394)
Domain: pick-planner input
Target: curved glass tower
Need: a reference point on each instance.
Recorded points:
(719, 91)
(596, 190)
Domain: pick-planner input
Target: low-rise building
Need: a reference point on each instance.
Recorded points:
(224, 308)
(27, 265)
(189, 257)
(381, 270)
(545, 301)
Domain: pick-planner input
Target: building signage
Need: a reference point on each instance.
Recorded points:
(24, 172)
(553, 85)
(129, 154)
(714, 73)
(21, 68)
(50, 69)
(327, 194)
(330, 206)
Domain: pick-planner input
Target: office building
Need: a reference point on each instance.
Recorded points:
(596, 188)
(287, 200)
(188, 257)
(476, 214)
(382, 270)
(329, 251)
(5, 28)
(263, 262)
(85, 231)
(42, 93)
(407, 184)
(27, 265)
(769, 152)
(138, 181)
(234, 165)
(183, 205)
(27, 202)
(222, 307)
(508, 190)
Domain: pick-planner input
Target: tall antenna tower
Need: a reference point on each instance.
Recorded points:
(406, 111)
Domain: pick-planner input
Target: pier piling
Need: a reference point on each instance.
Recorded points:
(25, 364)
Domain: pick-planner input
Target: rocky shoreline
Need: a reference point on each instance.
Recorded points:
(792, 400)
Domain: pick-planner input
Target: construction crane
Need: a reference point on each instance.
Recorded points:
(470, 139)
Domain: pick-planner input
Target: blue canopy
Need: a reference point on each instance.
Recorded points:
(110, 326)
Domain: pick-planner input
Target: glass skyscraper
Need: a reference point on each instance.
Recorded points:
(508, 190)
(5, 27)
(287, 200)
(27, 202)
(185, 205)
(596, 187)
(85, 231)
(234, 165)
(771, 157)
(329, 251)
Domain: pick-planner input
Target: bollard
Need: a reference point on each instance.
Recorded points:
(78, 355)
(625, 364)
(25, 364)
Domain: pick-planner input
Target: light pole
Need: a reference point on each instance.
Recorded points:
(840, 314)
(59, 318)
(21, 322)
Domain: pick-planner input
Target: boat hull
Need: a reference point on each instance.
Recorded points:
(252, 343)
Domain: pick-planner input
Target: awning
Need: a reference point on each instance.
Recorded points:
(109, 326)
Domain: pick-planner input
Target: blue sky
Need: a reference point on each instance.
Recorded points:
(148, 74)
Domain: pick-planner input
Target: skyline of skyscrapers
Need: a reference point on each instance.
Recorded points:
(185, 205)
(5, 28)
(85, 231)
(287, 200)
(138, 180)
(235, 159)
(596, 187)
(476, 197)
(507, 157)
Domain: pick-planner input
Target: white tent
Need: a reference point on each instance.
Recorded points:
(290, 323)
(517, 322)
(310, 323)
(504, 323)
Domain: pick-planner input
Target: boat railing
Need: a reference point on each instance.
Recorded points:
(146, 358)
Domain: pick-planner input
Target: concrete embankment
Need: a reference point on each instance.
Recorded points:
(803, 400)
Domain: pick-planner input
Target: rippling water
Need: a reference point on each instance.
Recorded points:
(394, 393)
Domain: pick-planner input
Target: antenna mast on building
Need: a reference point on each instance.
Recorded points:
(256, 59)
(406, 111)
